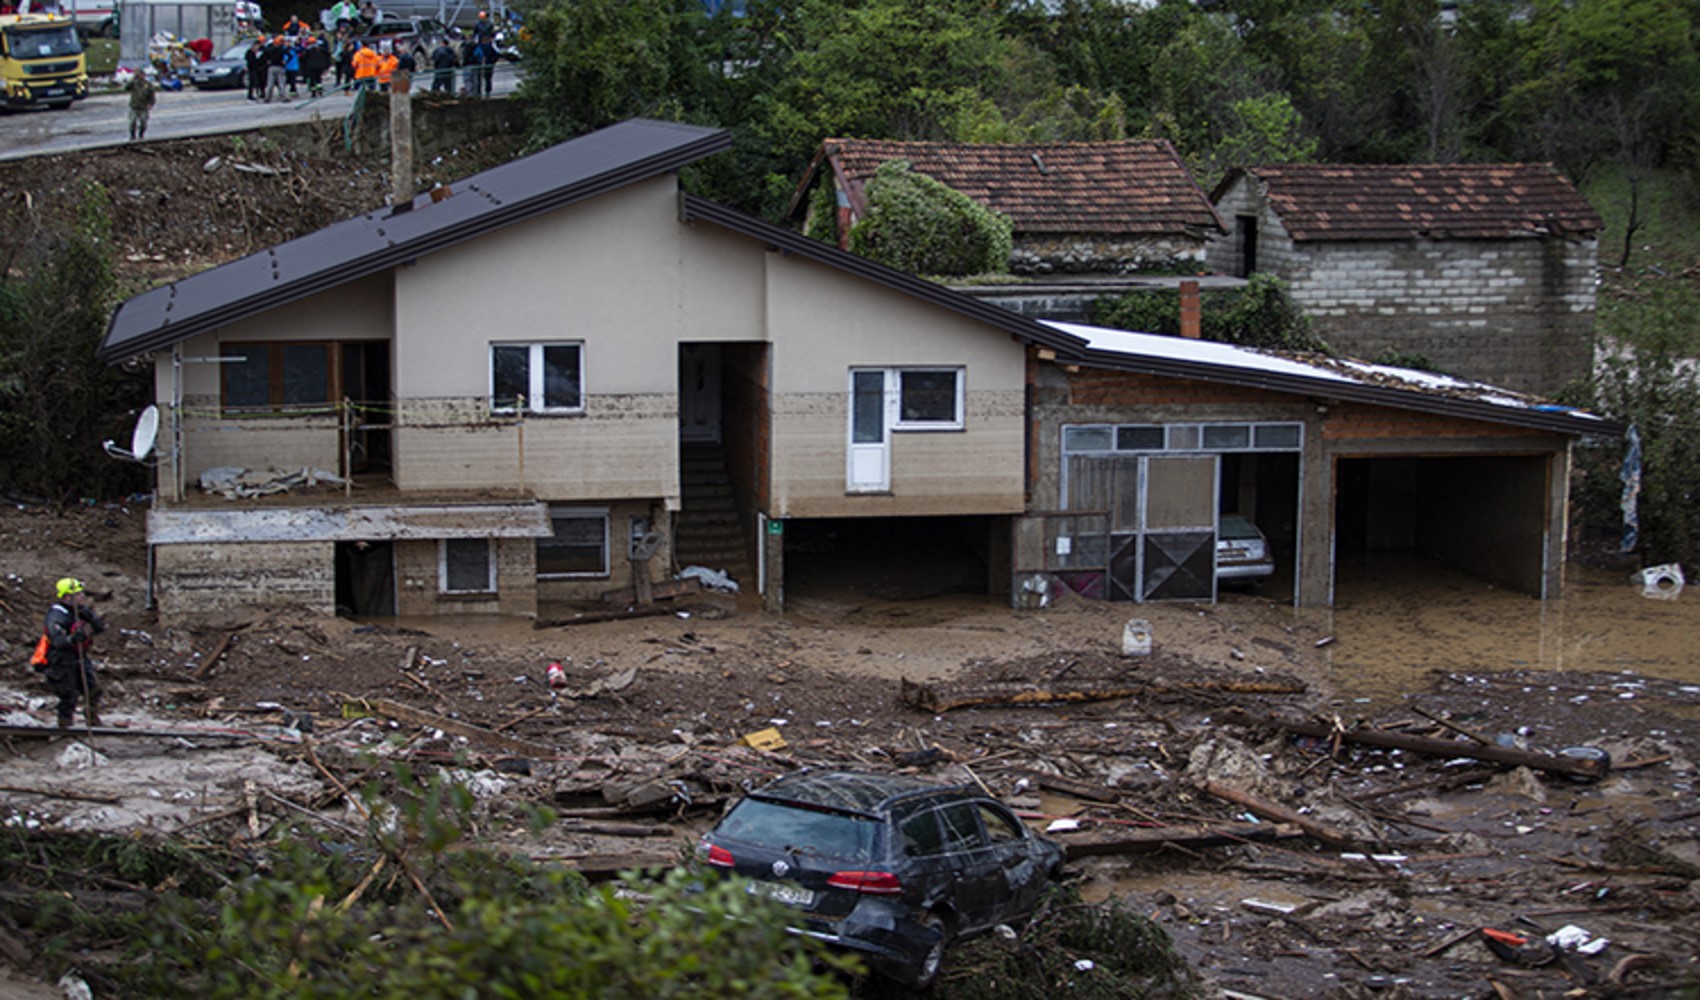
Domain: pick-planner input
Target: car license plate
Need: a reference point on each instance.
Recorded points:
(783, 892)
(55, 92)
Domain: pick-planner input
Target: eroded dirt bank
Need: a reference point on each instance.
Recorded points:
(1380, 882)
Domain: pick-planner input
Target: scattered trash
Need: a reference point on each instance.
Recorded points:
(1136, 638)
(1084, 965)
(713, 579)
(1517, 948)
(764, 739)
(1661, 582)
(1573, 938)
(1265, 906)
(1062, 825)
(557, 676)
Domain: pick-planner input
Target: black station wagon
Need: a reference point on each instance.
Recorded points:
(892, 867)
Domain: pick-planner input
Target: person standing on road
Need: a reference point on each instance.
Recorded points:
(387, 63)
(365, 63)
(71, 627)
(275, 75)
(315, 59)
(484, 31)
(292, 62)
(487, 67)
(443, 62)
(141, 102)
(255, 59)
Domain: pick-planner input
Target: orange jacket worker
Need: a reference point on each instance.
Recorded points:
(386, 66)
(365, 66)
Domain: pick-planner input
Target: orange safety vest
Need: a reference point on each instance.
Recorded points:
(387, 66)
(366, 64)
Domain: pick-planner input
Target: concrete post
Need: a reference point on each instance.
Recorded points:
(401, 140)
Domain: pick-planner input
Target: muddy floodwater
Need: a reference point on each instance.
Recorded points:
(1397, 619)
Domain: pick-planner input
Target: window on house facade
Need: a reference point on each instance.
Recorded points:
(929, 399)
(276, 377)
(466, 566)
(578, 547)
(549, 376)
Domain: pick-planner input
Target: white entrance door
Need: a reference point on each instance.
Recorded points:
(872, 405)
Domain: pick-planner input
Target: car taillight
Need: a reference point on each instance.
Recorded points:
(873, 883)
(719, 856)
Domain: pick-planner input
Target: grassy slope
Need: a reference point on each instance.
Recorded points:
(1659, 289)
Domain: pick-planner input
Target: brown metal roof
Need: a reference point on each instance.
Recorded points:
(560, 175)
(1317, 201)
(1136, 186)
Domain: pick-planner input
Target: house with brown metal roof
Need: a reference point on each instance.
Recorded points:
(569, 379)
(1485, 270)
(1077, 207)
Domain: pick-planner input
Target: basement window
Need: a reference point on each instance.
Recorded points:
(550, 377)
(466, 566)
(578, 547)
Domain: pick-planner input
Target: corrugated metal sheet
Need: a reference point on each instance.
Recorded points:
(561, 175)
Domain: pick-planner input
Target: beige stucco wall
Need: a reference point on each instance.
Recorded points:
(823, 323)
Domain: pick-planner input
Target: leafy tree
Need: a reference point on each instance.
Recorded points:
(57, 402)
(918, 225)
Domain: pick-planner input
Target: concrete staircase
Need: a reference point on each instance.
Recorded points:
(708, 529)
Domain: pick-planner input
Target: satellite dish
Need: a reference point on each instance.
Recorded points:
(141, 439)
(147, 430)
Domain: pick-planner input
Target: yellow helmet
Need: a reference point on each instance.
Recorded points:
(69, 585)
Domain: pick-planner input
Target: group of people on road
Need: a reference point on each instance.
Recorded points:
(289, 60)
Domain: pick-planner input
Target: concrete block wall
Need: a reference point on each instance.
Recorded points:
(201, 578)
(1512, 312)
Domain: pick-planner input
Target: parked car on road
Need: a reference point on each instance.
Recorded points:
(888, 866)
(1242, 552)
(418, 35)
(230, 69)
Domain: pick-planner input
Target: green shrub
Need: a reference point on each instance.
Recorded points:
(1262, 314)
(918, 225)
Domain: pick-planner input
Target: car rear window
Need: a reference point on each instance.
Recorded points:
(795, 828)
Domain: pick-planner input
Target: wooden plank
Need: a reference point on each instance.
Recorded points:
(1106, 840)
(476, 734)
(661, 591)
(1581, 767)
(1277, 812)
(206, 666)
(944, 697)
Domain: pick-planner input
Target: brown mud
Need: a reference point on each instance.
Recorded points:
(1436, 846)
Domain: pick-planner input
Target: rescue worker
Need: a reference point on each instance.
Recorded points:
(387, 64)
(71, 627)
(365, 65)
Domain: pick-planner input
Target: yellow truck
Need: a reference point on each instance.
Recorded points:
(41, 61)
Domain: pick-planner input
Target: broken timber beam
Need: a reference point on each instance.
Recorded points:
(1101, 842)
(1580, 767)
(206, 666)
(943, 698)
(591, 617)
(1278, 813)
(662, 591)
(476, 734)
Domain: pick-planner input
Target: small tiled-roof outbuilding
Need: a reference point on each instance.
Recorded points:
(1486, 270)
(1076, 206)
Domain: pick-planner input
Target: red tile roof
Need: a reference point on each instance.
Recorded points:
(1137, 186)
(1317, 201)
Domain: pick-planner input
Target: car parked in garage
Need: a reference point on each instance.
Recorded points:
(888, 866)
(1242, 552)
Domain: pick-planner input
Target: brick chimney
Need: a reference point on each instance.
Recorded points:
(1189, 310)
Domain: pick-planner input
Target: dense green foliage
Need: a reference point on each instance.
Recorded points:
(918, 225)
(57, 402)
(1262, 314)
(403, 911)
(1231, 83)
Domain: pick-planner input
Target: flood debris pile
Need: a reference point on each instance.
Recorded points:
(1521, 833)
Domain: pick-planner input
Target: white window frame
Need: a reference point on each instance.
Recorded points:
(443, 567)
(607, 553)
(534, 397)
(955, 423)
